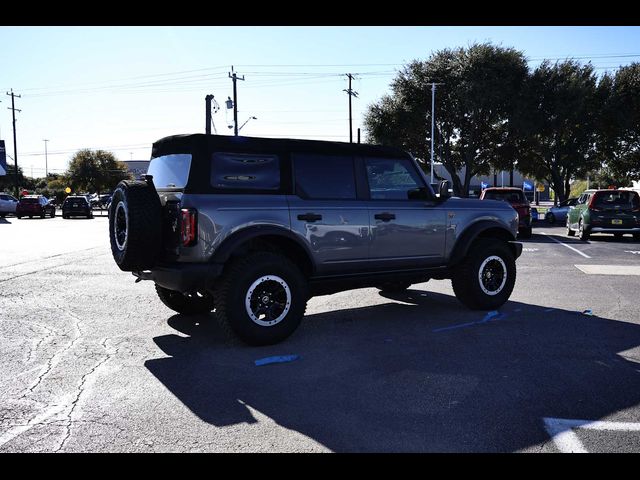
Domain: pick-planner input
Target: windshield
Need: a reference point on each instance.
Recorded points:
(511, 196)
(170, 171)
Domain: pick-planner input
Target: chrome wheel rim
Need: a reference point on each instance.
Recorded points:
(121, 226)
(492, 275)
(268, 300)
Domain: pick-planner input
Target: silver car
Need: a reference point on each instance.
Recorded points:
(7, 204)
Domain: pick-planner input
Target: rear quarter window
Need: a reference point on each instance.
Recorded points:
(170, 171)
(245, 171)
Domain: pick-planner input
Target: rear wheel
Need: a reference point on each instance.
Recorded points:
(19, 216)
(261, 298)
(583, 232)
(486, 277)
(393, 287)
(636, 237)
(135, 226)
(53, 213)
(191, 304)
(618, 236)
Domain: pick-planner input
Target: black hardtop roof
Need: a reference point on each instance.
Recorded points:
(200, 141)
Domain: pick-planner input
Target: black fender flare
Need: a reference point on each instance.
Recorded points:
(469, 235)
(233, 241)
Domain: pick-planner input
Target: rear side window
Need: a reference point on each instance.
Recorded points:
(324, 177)
(245, 171)
(170, 171)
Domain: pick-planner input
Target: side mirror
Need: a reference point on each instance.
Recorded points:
(443, 189)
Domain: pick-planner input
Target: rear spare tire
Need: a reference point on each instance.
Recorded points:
(135, 226)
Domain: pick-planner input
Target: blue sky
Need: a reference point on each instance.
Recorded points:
(122, 88)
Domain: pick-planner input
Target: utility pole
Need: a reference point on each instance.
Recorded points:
(207, 114)
(46, 160)
(234, 77)
(15, 149)
(351, 93)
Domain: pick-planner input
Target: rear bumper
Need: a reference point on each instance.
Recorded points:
(614, 230)
(183, 277)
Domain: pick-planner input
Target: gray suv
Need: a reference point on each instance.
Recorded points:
(254, 227)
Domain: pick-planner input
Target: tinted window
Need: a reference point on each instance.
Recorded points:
(616, 199)
(244, 170)
(329, 177)
(391, 178)
(4, 197)
(29, 200)
(170, 171)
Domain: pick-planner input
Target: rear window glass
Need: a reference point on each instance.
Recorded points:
(170, 171)
(325, 177)
(245, 170)
(511, 196)
(616, 198)
(75, 200)
(29, 200)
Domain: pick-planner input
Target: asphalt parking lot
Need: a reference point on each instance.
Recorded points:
(93, 362)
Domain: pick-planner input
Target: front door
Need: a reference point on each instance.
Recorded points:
(407, 227)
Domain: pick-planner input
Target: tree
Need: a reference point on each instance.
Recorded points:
(621, 132)
(7, 182)
(95, 171)
(563, 114)
(477, 119)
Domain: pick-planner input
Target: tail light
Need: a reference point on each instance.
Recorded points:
(591, 203)
(189, 227)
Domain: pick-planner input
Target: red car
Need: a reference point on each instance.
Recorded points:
(34, 206)
(515, 196)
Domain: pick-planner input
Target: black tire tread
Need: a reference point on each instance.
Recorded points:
(145, 226)
(184, 304)
(224, 288)
(465, 274)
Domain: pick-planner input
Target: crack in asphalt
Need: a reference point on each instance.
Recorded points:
(80, 389)
(51, 268)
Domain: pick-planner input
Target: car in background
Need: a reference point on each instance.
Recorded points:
(76, 206)
(35, 206)
(8, 204)
(516, 198)
(559, 213)
(605, 211)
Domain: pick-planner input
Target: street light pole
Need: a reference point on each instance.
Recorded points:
(46, 160)
(433, 111)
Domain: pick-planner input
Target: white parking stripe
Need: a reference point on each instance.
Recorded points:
(561, 431)
(609, 269)
(568, 246)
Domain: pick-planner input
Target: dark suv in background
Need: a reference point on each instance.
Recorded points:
(605, 211)
(254, 227)
(77, 205)
(515, 197)
(35, 206)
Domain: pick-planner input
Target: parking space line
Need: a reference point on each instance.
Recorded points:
(566, 440)
(568, 246)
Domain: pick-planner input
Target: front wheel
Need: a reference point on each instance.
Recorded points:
(261, 298)
(570, 233)
(486, 277)
(525, 232)
(550, 218)
(192, 304)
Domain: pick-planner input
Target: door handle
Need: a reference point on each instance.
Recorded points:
(385, 217)
(310, 217)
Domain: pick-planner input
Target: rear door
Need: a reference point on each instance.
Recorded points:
(326, 213)
(407, 229)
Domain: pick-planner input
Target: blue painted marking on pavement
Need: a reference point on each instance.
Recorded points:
(276, 359)
(493, 315)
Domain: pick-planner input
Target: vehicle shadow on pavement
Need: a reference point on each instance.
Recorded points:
(4, 220)
(420, 373)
